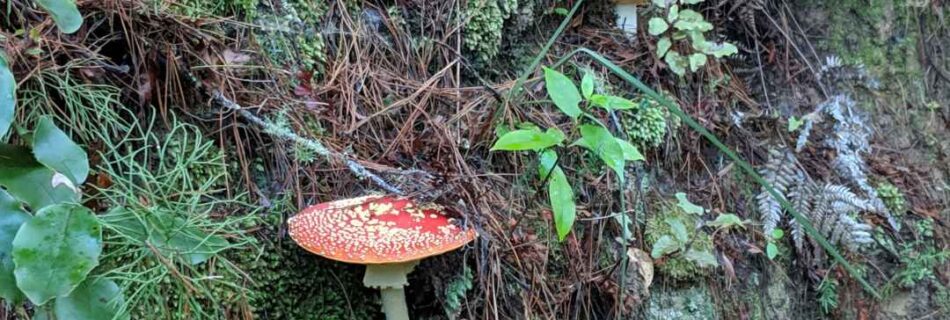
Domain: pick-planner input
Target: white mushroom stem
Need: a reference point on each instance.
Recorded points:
(390, 279)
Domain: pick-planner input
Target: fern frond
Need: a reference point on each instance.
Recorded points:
(781, 171)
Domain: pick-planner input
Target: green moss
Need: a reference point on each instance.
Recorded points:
(216, 8)
(676, 266)
(291, 35)
(645, 125)
(484, 25)
(893, 198)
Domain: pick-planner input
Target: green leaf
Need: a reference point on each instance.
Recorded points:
(720, 50)
(55, 251)
(678, 229)
(563, 92)
(30, 181)
(94, 299)
(53, 148)
(771, 250)
(663, 46)
(664, 245)
(687, 206)
(12, 216)
(702, 258)
(691, 1)
(527, 139)
(777, 234)
(587, 85)
(673, 14)
(795, 123)
(696, 60)
(561, 196)
(663, 3)
(657, 26)
(546, 162)
(727, 220)
(64, 13)
(630, 152)
(676, 62)
(611, 102)
(603, 144)
(561, 11)
(7, 96)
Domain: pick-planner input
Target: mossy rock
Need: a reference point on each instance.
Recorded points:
(676, 266)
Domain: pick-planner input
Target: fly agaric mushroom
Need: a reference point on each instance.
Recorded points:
(387, 234)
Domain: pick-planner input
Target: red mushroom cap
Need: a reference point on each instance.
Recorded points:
(376, 230)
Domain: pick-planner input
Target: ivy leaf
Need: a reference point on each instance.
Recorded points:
(630, 152)
(702, 258)
(64, 13)
(587, 85)
(720, 50)
(561, 196)
(795, 123)
(687, 206)
(94, 299)
(663, 46)
(546, 163)
(656, 26)
(7, 96)
(12, 216)
(771, 250)
(727, 220)
(678, 229)
(53, 148)
(55, 251)
(563, 92)
(30, 181)
(664, 245)
(676, 62)
(673, 14)
(696, 61)
(528, 139)
(605, 146)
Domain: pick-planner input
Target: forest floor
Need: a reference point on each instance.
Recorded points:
(232, 115)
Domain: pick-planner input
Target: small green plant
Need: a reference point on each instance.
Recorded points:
(828, 294)
(918, 264)
(646, 124)
(678, 25)
(893, 197)
(678, 239)
(771, 247)
(455, 291)
(614, 152)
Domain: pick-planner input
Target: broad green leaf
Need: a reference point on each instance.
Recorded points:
(546, 162)
(702, 258)
(53, 148)
(526, 139)
(605, 146)
(696, 61)
(561, 196)
(12, 216)
(587, 85)
(611, 102)
(720, 50)
(64, 13)
(727, 220)
(673, 14)
(771, 250)
(7, 96)
(563, 92)
(30, 181)
(663, 46)
(630, 152)
(795, 123)
(676, 62)
(55, 251)
(94, 299)
(687, 206)
(777, 234)
(664, 245)
(663, 3)
(678, 229)
(657, 26)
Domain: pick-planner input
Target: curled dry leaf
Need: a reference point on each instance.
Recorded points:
(644, 265)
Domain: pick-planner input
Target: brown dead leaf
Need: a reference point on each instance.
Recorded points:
(644, 265)
(235, 58)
